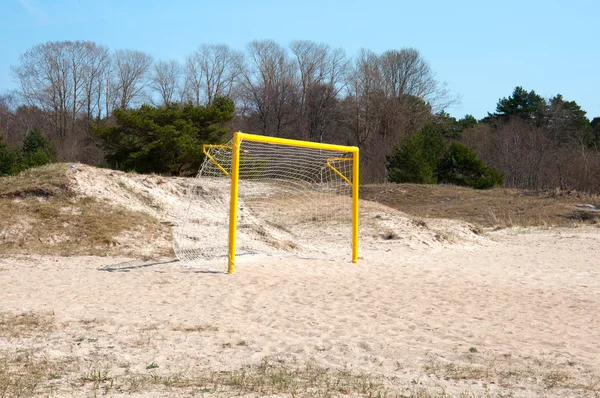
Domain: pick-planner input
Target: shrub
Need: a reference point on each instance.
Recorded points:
(460, 166)
(37, 150)
(423, 158)
(164, 140)
(9, 159)
(417, 156)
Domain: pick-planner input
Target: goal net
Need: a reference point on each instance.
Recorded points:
(266, 195)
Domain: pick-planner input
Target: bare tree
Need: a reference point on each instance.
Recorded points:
(166, 80)
(405, 73)
(321, 75)
(61, 81)
(131, 75)
(211, 71)
(52, 78)
(268, 88)
(97, 65)
(193, 80)
(364, 93)
(7, 117)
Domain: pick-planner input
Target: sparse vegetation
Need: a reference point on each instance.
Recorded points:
(41, 214)
(499, 207)
(46, 198)
(20, 325)
(196, 328)
(502, 371)
(26, 374)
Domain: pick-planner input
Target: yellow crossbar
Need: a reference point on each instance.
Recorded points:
(303, 144)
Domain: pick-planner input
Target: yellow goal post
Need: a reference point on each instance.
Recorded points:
(284, 196)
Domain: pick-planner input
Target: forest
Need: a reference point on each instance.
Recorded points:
(79, 101)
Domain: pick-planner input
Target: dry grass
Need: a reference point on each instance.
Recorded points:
(41, 214)
(498, 207)
(270, 377)
(195, 328)
(506, 372)
(43, 181)
(25, 324)
(26, 372)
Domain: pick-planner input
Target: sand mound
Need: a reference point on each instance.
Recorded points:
(152, 194)
(167, 199)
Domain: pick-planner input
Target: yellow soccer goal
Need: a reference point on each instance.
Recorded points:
(259, 195)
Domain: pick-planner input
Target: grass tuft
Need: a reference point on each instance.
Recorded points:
(195, 328)
(25, 324)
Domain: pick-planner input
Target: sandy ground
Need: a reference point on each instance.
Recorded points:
(514, 314)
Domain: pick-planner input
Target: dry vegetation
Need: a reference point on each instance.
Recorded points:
(41, 214)
(26, 371)
(492, 208)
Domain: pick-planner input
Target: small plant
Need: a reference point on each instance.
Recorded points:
(96, 375)
(196, 328)
(473, 350)
(152, 366)
(389, 235)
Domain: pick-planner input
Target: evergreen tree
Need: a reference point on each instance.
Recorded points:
(417, 156)
(524, 104)
(37, 150)
(595, 128)
(164, 140)
(423, 158)
(9, 161)
(567, 122)
(467, 122)
(460, 166)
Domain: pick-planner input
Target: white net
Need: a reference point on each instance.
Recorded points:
(292, 200)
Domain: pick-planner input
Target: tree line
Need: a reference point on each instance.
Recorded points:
(306, 90)
(71, 90)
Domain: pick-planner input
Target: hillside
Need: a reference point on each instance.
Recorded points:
(78, 209)
(493, 208)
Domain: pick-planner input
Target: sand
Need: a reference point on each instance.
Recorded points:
(514, 313)
(433, 307)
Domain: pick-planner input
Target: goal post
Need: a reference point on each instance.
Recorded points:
(284, 195)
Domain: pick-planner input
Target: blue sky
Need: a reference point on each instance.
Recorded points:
(481, 49)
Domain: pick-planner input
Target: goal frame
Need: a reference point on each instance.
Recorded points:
(234, 176)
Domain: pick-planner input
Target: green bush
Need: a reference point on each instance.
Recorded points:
(164, 140)
(424, 158)
(417, 156)
(37, 150)
(461, 166)
(9, 159)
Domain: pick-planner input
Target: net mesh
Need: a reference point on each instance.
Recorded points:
(292, 200)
